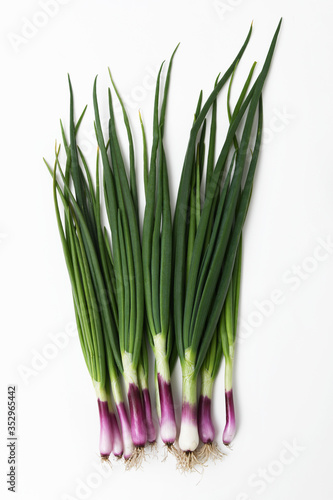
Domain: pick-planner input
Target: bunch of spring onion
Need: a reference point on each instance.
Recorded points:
(121, 289)
(122, 211)
(200, 296)
(85, 249)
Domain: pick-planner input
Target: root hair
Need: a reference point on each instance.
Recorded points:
(137, 458)
(187, 461)
(209, 451)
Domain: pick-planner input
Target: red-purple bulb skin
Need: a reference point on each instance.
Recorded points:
(105, 437)
(138, 421)
(151, 431)
(168, 421)
(230, 426)
(126, 430)
(117, 447)
(205, 424)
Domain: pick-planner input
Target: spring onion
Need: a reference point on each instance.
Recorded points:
(157, 262)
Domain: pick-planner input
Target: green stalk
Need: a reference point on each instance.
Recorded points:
(182, 203)
(210, 290)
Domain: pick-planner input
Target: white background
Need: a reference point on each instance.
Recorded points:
(283, 375)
